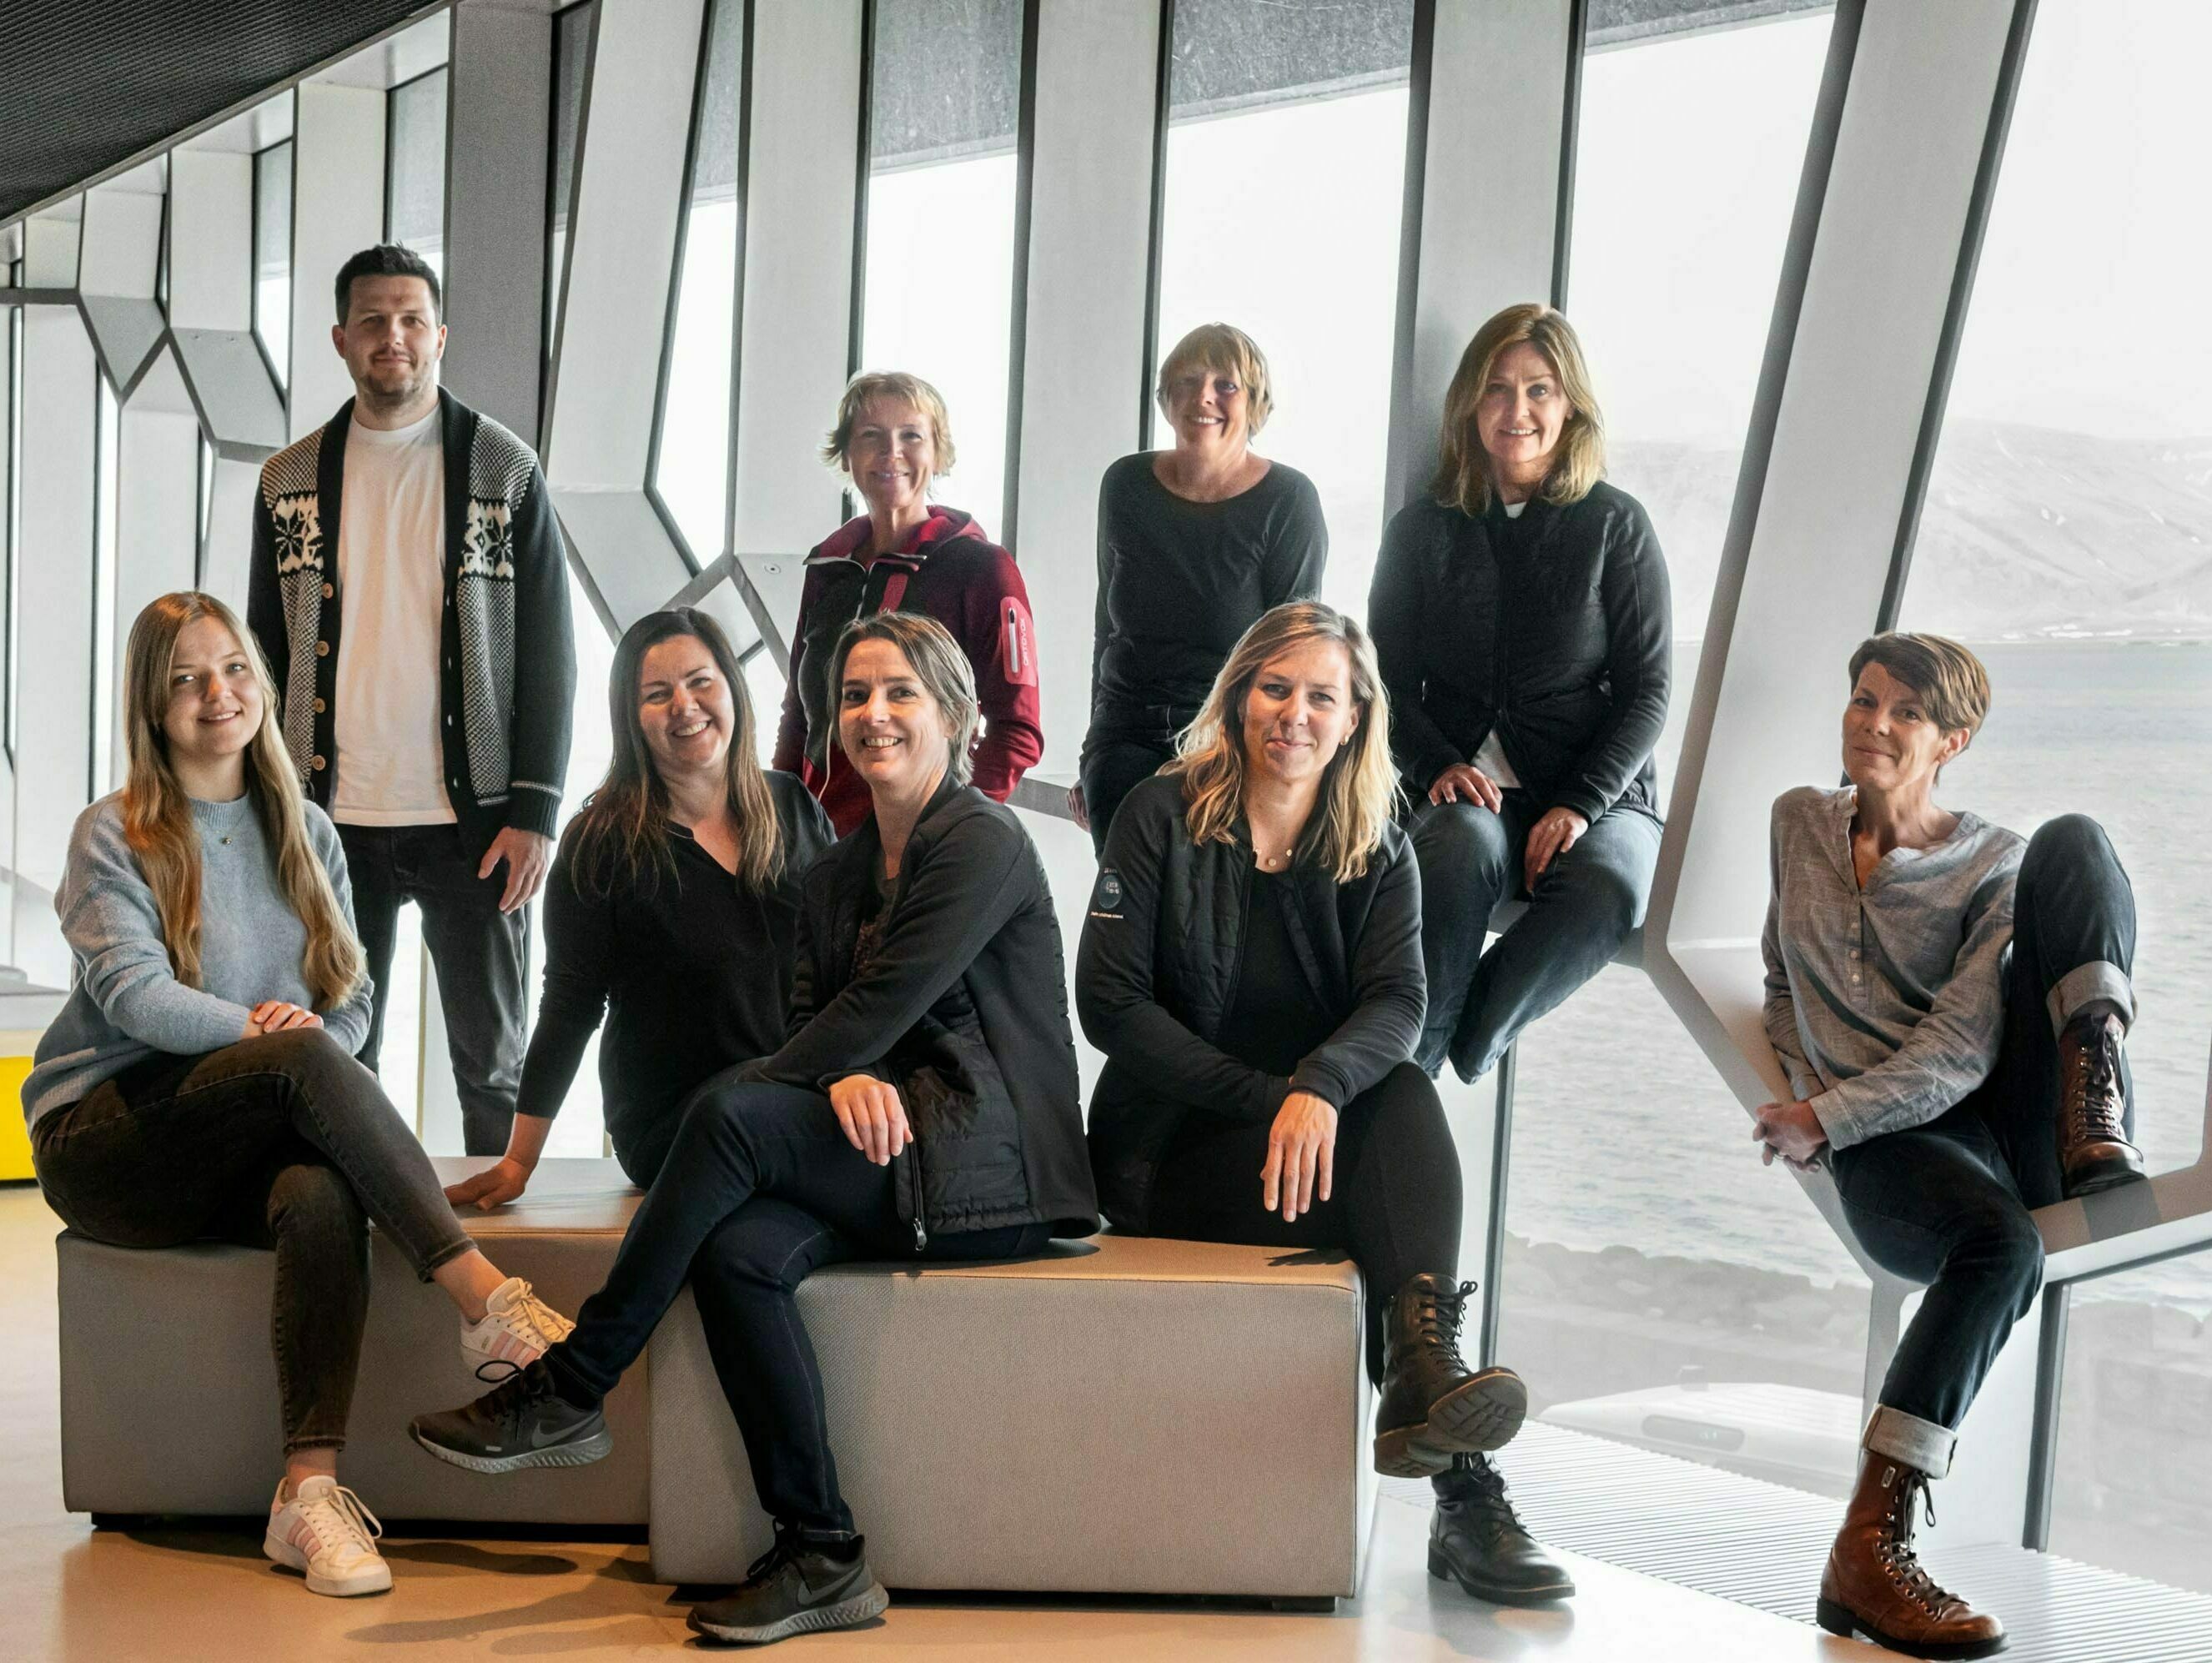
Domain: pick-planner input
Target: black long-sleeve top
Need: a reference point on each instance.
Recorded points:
(692, 970)
(1164, 950)
(1553, 629)
(1180, 581)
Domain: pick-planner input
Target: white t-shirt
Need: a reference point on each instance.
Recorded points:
(392, 570)
(1490, 756)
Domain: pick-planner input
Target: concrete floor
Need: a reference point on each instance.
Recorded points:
(180, 1595)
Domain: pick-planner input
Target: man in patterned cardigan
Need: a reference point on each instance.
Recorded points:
(409, 590)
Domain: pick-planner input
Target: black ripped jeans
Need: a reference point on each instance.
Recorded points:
(282, 1142)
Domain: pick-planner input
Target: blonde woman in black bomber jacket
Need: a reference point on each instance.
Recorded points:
(1251, 968)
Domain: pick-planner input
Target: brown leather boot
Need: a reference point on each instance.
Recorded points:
(1875, 1585)
(2093, 1151)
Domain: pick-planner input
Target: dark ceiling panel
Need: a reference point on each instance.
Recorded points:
(85, 84)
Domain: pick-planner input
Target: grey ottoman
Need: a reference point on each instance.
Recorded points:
(168, 1393)
(1126, 1415)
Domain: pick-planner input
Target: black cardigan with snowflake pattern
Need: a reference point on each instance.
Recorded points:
(509, 664)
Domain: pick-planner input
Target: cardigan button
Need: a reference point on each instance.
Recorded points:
(320, 706)
(322, 649)
(328, 591)
(319, 765)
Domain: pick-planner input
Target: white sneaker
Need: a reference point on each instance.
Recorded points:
(516, 1329)
(326, 1532)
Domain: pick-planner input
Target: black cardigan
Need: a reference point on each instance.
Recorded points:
(1156, 975)
(692, 969)
(1555, 629)
(962, 1007)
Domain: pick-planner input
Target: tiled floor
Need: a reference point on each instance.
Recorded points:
(67, 1592)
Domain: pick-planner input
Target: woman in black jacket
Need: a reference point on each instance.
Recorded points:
(1195, 543)
(924, 1105)
(1252, 969)
(672, 906)
(1521, 617)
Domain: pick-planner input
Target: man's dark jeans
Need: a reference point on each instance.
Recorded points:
(480, 952)
(283, 1142)
(1584, 906)
(759, 1189)
(1947, 1203)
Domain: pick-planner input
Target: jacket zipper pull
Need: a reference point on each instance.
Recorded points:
(920, 1236)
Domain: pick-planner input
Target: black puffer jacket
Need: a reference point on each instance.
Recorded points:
(1553, 629)
(1156, 975)
(963, 1007)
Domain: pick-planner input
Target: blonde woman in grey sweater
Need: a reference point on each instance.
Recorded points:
(200, 1082)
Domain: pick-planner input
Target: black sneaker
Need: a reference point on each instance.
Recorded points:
(522, 1421)
(795, 1587)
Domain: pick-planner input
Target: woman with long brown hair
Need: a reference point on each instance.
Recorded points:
(1521, 615)
(200, 1081)
(673, 905)
(1251, 967)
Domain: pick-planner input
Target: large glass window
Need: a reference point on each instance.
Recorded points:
(272, 257)
(944, 96)
(106, 505)
(1284, 187)
(415, 172)
(572, 43)
(1659, 1286)
(692, 448)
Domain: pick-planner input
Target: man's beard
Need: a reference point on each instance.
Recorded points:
(379, 399)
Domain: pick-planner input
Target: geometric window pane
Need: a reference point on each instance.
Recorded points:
(1286, 167)
(692, 454)
(415, 187)
(272, 255)
(106, 503)
(942, 114)
(2067, 532)
(1687, 162)
(572, 40)
(1660, 1287)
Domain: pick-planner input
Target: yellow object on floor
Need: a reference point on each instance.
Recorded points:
(14, 1140)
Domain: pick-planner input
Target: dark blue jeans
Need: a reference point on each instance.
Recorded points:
(1948, 1204)
(1582, 909)
(479, 951)
(759, 1188)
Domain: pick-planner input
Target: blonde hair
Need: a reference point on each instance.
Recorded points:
(1950, 680)
(1462, 479)
(157, 814)
(1226, 350)
(937, 663)
(1361, 785)
(873, 384)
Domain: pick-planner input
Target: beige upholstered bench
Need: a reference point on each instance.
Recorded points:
(1127, 1414)
(169, 1395)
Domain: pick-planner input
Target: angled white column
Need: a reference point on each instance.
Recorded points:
(1083, 351)
(337, 210)
(212, 310)
(1488, 203)
(622, 243)
(120, 258)
(49, 247)
(794, 343)
(157, 502)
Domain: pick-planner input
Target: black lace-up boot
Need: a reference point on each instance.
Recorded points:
(1433, 1405)
(1477, 1541)
(2093, 1151)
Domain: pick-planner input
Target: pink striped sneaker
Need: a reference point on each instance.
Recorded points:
(516, 1329)
(325, 1532)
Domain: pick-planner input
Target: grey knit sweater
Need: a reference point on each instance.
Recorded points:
(127, 1004)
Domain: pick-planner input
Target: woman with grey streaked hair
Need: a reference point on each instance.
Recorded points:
(1950, 1005)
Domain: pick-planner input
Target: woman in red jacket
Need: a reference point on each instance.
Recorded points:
(907, 554)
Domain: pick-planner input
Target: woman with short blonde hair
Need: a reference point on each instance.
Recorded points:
(1194, 542)
(1521, 619)
(893, 440)
(200, 1081)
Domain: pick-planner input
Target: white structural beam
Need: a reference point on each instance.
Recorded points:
(1095, 120)
(607, 341)
(794, 344)
(211, 240)
(157, 518)
(227, 556)
(337, 210)
(54, 586)
(120, 256)
(49, 247)
(499, 107)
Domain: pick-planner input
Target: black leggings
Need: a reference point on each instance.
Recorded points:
(1396, 1205)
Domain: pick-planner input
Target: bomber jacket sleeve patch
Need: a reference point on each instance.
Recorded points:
(1106, 895)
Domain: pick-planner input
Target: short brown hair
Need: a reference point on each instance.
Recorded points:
(1950, 680)
(1226, 350)
(872, 384)
(1462, 480)
(938, 665)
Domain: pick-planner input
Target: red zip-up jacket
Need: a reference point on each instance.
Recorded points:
(949, 570)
